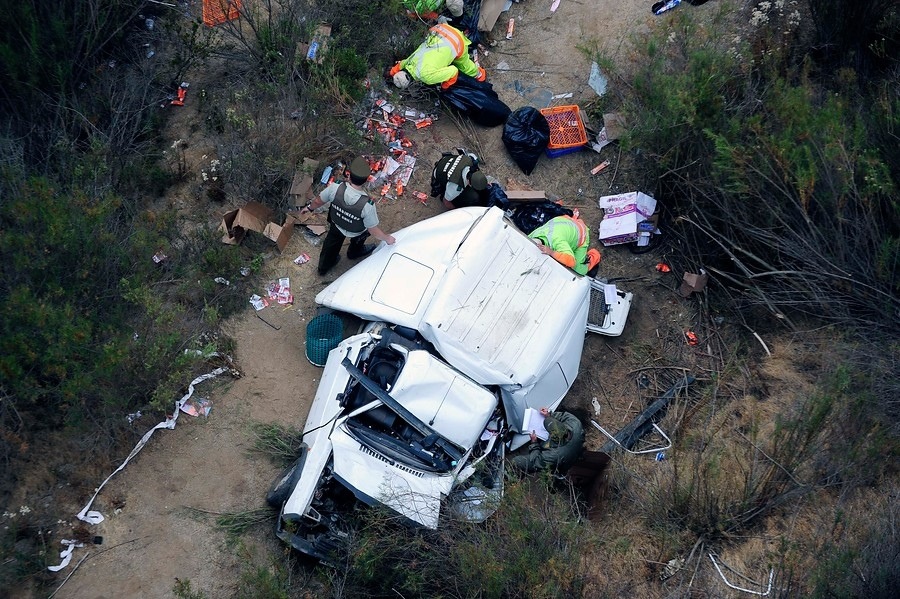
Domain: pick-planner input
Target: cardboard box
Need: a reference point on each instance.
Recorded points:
(255, 217)
(301, 186)
(317, 46)
(692, 283)
(622, 215)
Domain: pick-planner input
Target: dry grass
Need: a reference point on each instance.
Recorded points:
(760, 476)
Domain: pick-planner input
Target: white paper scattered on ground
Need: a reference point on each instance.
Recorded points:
(257, 302)
(94, 517)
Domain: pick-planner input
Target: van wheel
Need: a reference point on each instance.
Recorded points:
(281, 489)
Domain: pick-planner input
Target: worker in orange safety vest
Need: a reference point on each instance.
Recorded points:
(438, 60)
(566, 240)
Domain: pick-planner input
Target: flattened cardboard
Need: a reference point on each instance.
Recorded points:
(254, 216)
(615, 125)
(525, 195)
(301, 187)
(490, 12)
(310, 218)
(318, 44)
(692, 283)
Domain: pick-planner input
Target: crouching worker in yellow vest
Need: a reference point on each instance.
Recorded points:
(430, 10)
(566, 240)
(438, 60)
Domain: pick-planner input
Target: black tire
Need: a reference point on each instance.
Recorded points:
(283, 486)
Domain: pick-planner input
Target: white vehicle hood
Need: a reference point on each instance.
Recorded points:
(451, 404)
(446, 400)
(481, 292)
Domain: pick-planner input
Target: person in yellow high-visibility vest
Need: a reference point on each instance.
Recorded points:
(430, 10)
(438, 60)
(566, 240)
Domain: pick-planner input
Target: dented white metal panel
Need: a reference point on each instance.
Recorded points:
(447, 401)
(503, 306)
(396, 282)
(414, 494)
(476, 287)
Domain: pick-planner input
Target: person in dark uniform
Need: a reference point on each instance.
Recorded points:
(351, 214)
(557, 453)
(458, 182)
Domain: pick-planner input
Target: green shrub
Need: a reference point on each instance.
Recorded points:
(531, 547)
(781, 186)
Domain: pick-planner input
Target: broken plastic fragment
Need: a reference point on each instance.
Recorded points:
(597, 80)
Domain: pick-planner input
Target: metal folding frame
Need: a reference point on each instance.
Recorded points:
(597, 426)
(737, 588)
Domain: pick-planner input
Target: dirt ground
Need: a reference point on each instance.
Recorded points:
(151, 537)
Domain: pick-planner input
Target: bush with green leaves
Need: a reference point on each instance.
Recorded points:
(532, 546)
(90, 325)
(783, 184)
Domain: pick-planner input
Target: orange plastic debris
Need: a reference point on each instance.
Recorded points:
(600, 167)
(663, 267)
(179, 101)
(691, 338)
(399, 188)
(423, 199)
(216, 12)
(423, 123)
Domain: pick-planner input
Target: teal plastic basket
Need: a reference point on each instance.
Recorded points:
(323, 334)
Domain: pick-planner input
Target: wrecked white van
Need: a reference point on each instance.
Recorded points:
(468, 325)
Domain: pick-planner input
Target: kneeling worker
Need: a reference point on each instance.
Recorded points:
(351, 214)
(430, 10)
(458, 182)
(566, 240)
(559, 451)
(438, 60)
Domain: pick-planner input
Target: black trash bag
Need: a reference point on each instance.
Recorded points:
(530, 216)
(497, 197)
(468, 21)
(526, 136)
(476, 100)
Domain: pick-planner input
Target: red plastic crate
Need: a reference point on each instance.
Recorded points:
(566, 127)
